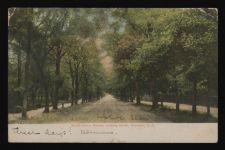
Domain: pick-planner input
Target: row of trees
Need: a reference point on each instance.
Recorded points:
(53, 56)
(164, 53)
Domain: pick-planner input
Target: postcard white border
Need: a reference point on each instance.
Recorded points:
(114, 133)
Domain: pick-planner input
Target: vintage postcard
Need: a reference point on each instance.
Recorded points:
(113, 75)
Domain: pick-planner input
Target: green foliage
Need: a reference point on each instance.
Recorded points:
(57, 37)
(172, 49)
(155, 52)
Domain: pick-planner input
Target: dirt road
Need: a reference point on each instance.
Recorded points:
(107, 109)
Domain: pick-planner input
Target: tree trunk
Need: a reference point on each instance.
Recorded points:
(208, 103)
(208, 109)
(46, 100)
(55, 101)
(89, 97)
(33, 96)
(24, 108)
(41, 100)
(72, 83)
(177, 103)
(57, 74)
(132, 93)
(85, 89)
(72, 99)
(76, 85)
(26, 75)
(19, 73)
(153, 93)
(138, 99)
(194, 110)
(154, 103)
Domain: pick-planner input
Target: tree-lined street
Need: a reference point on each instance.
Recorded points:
(113, 64)
(108, 109)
